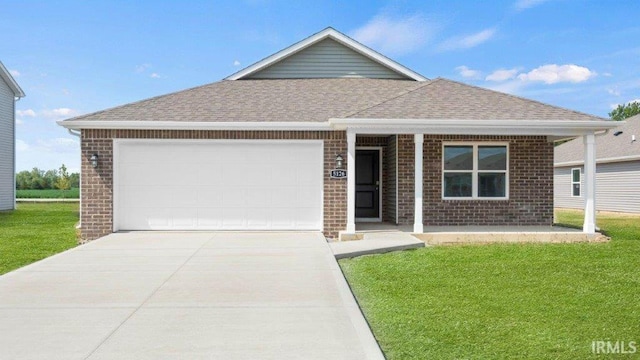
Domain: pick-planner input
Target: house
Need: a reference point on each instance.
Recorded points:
(9, 93)
(617, 170)
(257, 150)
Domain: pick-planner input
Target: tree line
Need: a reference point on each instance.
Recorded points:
(37, 179)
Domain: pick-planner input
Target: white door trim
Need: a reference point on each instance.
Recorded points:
(379, 218)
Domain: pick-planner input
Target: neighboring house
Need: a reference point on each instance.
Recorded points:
(255, 151)
(9, 93)
(617, 170)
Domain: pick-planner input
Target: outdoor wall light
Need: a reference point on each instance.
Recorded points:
(94, 160)
(339, 161)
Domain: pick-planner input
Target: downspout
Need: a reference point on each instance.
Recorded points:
(78, 135)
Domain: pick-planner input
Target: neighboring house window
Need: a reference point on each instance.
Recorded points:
(575, 182)
(475, 171)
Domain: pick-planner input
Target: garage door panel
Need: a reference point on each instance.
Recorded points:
(218, 185)
(233, 218)
(210, 218)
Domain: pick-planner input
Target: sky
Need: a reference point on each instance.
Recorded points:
(78, 57)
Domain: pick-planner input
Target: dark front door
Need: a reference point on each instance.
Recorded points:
(367, 183)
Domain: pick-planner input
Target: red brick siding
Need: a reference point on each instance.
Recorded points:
(530, 185)
(97, 184)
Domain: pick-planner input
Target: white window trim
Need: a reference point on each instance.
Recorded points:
(579, 182)
(475, 171)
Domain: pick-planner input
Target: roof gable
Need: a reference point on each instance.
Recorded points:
(8, 79)
(327, 54)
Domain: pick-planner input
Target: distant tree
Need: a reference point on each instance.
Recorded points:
(37, 179)
(63, 182)
(75, 180)
(624, 111)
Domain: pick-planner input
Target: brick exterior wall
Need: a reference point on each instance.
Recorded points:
(97, 184)
(530, 184)
(530, 178)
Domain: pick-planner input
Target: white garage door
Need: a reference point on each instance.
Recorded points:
(218, 185)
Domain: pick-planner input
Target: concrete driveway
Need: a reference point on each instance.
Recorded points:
(198, 295)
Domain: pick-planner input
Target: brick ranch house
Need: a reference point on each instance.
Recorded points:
(256, 150)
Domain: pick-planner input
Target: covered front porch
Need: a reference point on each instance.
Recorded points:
(436, 218)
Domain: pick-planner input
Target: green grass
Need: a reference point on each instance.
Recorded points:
(48, 194)
(505, 301)
(36, 231)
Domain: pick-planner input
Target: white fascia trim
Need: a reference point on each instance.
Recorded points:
(472, 127)
(195, 125)
(324, 34)
(599, 161)
(11, 82)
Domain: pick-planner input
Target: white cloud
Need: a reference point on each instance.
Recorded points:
(26, 113)
(396, 35)
(155, 76)
(59, 113)
(614, 92)
(468, 41)
(553, 73)
(527, 4)
(607, 74)
(502, 75)
(142, 67)
(14, 73)
(57, 143)
(21, 145)
(468, 73)
(19, 122)
(236, 63)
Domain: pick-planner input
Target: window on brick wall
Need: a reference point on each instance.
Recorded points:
(475, 171)
(575, 182)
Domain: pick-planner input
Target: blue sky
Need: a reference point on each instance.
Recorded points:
(77, 57)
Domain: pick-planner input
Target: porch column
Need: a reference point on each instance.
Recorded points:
(351, 181)
(589, 184)
(417, 222)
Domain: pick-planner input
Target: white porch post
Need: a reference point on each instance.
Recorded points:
(417, 222)
(351, 181)
(589, 184)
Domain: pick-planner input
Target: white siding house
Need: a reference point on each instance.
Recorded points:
(617, 170)
(9, 92)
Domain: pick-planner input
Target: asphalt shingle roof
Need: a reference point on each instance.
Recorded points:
(318, 100)
(607, 146)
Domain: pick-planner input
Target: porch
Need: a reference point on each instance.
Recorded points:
(522, 196)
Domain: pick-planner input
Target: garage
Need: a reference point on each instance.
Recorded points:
(218, 184)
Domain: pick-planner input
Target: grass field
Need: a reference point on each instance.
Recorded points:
(36, 231)
(48, 194)
(505, 301)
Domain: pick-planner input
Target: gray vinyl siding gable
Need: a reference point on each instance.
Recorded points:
(7, 146)
(326, 59)
(617, 187)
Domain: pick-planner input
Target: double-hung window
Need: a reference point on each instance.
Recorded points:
(475, 171)
(575, 182)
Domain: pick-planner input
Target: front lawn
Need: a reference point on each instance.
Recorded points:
(505, 301)
(35, 231)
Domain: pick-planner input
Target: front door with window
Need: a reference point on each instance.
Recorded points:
(368, 184)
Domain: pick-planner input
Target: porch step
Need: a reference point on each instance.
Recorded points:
(375, 243)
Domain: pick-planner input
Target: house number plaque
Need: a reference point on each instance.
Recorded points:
(338, 174)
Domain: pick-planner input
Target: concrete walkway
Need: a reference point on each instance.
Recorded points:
(150, 295)
(377, 242)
